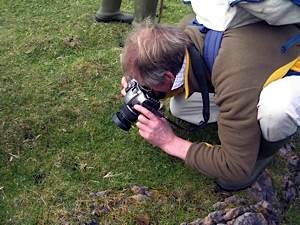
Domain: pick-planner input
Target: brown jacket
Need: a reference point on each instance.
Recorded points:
(246, 58)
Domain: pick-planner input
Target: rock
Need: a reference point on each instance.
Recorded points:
(206, 221)
(271, 214)
(219, 205)
(268, 210)
(231, 222)
(140, 198)
(235, 212)
(251, 218)
(297, 179)
(290, 191)
(236, 200)
(214, 217)
(263, 189)
(99, 193)
(92, 222)
(286, 150)
(100, 210)
(142, 193)
(264, 205)
(140, 190)
(294, 162)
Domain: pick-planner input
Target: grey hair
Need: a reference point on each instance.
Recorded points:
(152, 49)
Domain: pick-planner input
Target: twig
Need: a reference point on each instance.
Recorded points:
(110, 174)
(161, 6)
(12, 156)
(2, 189)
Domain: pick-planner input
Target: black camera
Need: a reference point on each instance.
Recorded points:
(135, 94)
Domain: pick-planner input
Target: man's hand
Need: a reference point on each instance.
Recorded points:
(157, 132)
(124, 84)
(154, 129)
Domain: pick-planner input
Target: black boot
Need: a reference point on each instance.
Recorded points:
(259, 167)
(109, 11)
(265, 156)
(145, 9)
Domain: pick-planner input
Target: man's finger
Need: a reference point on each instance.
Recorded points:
(123, 92)
(142, 127)
(143, 133)
(124, 85)
(143, 119)
(124, 82)
(145, 112)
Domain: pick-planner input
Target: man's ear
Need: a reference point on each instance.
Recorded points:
(169, 77)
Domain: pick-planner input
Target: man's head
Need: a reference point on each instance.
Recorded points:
(153, 55)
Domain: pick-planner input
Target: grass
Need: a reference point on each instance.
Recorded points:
(59, 86)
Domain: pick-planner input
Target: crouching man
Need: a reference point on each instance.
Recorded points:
(252, 92)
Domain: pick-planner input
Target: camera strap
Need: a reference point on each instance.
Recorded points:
(203, 78)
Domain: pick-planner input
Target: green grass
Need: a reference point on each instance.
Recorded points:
(59, 86)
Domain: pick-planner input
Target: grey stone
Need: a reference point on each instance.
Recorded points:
(297, 178)
(271, 213)
(215, 217)
(294, 161)
(234, 199)
(99, 193)
(235, 212)
(290, 191)
(251, 218)
(92, 222)
(263, 189)
(268, 210)
(219, 205)
(140, 198)
(136, 189)
(286, 150)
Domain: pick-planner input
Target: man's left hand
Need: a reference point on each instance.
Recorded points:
(155, 130)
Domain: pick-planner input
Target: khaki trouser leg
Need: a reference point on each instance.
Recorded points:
(190, 109)
(278, 113)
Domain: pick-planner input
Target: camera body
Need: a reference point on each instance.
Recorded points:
(135, 94)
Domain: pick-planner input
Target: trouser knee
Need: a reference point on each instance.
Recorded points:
(279, 108)
(275, 122)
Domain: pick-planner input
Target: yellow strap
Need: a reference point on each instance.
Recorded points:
(279, 73)
(208, 145)
(296, 67)
(186, 74)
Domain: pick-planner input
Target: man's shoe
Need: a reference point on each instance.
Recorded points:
(116, 17)
(187, 2)
(259, 167)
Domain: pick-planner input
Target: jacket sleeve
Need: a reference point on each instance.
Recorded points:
(239, 134)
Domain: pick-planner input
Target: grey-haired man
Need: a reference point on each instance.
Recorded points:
(169, 59)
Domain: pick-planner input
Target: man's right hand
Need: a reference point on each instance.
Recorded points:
(124, 84)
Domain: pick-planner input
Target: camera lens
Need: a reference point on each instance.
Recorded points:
(125, 117)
